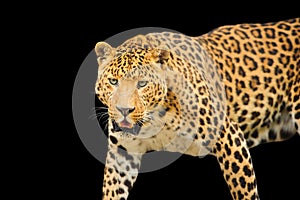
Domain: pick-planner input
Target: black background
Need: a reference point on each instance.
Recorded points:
(66, 34)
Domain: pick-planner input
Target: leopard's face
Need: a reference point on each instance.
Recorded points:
(133, 87)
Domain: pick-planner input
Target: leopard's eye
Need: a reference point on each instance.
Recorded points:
(141, 84)
(113, 81)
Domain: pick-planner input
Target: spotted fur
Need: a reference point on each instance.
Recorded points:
(220, 94)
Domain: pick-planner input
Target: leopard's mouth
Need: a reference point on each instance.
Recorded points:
(134, 130)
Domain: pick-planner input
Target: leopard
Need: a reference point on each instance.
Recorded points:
(220, 93)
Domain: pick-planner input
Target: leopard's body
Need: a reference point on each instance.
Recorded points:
(220, 93)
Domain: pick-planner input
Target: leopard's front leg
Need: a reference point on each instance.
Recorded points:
(236, 164)
(120, 173)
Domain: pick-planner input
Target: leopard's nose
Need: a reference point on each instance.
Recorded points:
(125, 111)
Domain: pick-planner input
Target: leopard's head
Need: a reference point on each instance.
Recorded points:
(132, 84)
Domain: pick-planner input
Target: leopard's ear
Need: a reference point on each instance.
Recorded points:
(159, 55)
(104, 53)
